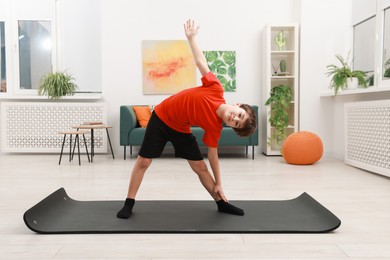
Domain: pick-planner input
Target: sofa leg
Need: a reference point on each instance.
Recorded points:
(246, 150)
(131, 150)
(253, 152)
(124, 157)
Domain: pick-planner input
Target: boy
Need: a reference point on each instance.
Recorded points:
(171, 120)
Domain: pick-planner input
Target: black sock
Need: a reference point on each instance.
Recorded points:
(125, 212)
(229, 208)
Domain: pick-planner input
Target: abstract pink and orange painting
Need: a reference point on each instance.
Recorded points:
(167, 66)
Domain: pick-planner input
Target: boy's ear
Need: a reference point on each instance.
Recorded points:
(237, 104)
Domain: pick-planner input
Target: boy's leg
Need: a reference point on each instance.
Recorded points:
(137, 175)
(139, 169)
(200, 168)
(152, 147)
(186, 147)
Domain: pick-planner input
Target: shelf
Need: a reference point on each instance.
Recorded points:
(77, 96)
(273, 152)
(330, 93)
(283, 77)
(283, 27)
(273, 56)
(288, 127)
(282, 52)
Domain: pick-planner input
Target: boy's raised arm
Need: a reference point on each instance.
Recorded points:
(191, 30)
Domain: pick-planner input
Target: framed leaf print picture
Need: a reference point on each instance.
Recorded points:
(223, 65)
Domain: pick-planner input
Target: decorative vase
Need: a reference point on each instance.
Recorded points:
(282, 66)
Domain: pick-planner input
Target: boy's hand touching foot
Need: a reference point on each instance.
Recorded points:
(218, 191)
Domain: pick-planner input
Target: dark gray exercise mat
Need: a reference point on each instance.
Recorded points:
(58, 213)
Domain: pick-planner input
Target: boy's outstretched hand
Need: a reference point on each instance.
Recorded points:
(219, 191)
(190, 29)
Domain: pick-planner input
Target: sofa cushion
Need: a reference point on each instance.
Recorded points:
(143, 114)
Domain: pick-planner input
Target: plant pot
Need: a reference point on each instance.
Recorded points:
(352, 83)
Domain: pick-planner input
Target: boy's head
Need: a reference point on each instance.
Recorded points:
(242, 118)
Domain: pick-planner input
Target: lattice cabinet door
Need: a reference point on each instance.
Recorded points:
(367, 135)
(34, 126)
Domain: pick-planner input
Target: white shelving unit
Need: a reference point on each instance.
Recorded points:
(272, 76)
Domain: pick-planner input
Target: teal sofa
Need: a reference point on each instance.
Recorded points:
(131, 134)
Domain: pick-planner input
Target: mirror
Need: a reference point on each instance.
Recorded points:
(386, 45)
(364, 48)
(34, 52)
(3, 77)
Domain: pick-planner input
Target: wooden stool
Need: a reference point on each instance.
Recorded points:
(76, 141)
(92, 128)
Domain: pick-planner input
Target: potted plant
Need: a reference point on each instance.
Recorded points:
(56, 85)
(280, 100)
(386, 74)
(343, 76)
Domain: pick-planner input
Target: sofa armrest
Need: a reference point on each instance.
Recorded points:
(128, 121)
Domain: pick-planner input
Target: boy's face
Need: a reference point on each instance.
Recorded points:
(234, 116)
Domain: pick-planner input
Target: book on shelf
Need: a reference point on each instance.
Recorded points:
(92, 123)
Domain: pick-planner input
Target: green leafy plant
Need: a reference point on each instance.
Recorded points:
(223, 65)
(386, 74)
(280, 100)
(56, 85)
(340, 75)
(370, 80)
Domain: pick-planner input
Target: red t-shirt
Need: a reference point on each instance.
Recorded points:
(195, 107)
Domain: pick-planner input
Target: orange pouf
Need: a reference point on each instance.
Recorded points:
(302, 148)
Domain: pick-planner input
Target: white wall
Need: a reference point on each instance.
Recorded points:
(225, 25)
(363, 9)
(326, 30)
(80, 42)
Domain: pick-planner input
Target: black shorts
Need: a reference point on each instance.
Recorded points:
(157, 134)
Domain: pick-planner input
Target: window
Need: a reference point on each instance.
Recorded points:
(34, 52)
(371, 45)
(364, 47)
(386, 45)
(49, 36)
(3, 77)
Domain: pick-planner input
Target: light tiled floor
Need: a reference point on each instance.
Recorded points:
(359, 198)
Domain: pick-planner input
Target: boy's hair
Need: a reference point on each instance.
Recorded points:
(250, 124)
